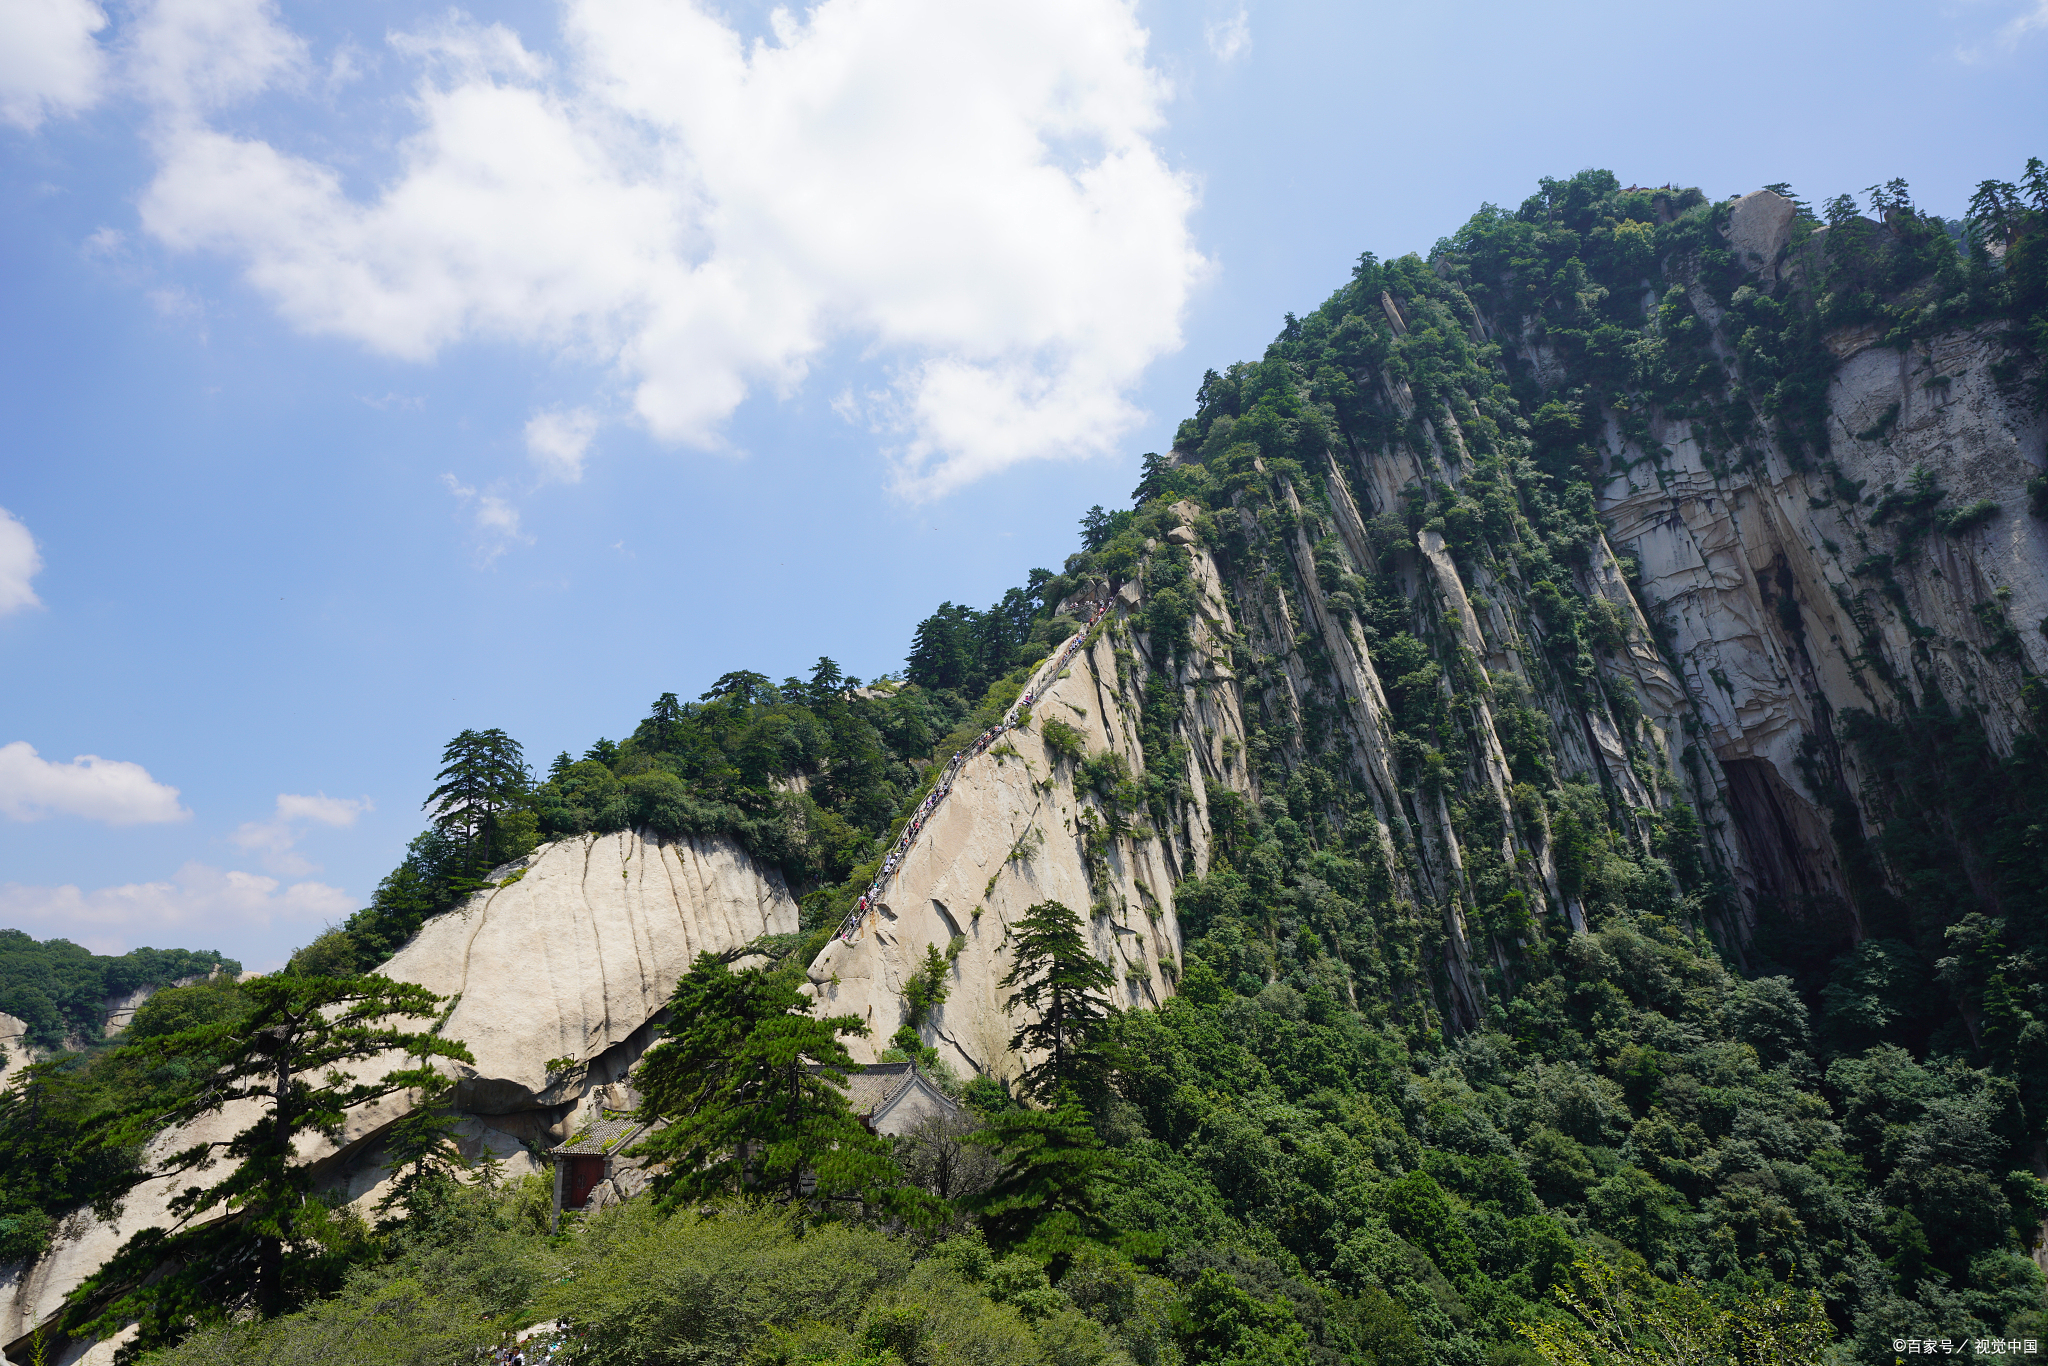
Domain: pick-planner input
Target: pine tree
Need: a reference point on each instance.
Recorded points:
(1001, 634)
(1152, 480)
(942, 653)
(1042, 1202)
(826, 683)
(423, 1157)
(1094, 528)
(743, 686)
(420, 1149)
(1059, 978)
(665, 721)
(1035, 584)
(753, 1087)
(483, 775)
(257, 1239)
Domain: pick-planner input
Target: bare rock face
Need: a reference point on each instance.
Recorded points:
(1022, 825)
(1759, 226)
(570, 957)
(1788, 606)
(576, 956)
(14, 1046)
(119, 1011)
(1013, 833)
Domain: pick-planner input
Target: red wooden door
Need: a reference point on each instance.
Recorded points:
(583, 1173)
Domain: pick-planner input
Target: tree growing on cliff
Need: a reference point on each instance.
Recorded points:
(753, 1087)
(257, 1239)
(1055, 975)
(1099, 528)
(421, 1149)
(483, 779)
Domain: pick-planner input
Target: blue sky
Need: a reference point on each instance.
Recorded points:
(380, 370)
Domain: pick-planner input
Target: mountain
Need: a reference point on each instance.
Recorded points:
(1552, 758)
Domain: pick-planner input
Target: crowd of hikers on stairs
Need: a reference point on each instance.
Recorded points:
(850, 929)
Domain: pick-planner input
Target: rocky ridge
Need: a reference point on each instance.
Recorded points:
(1016, 831)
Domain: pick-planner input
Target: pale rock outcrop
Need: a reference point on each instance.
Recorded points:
(1014, 832)
(1017, 830)
(1759, 227)
(119, 1011)
(572, 956)
(1772, 578)
(15, 1053)
(577, 955)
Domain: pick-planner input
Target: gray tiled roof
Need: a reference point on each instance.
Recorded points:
(870, 1088)
(607, 1137)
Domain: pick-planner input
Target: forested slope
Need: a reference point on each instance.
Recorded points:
(1583, 691)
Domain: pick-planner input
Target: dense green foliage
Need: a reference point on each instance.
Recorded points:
(751, 1084)
(269, 1243)
(56, 1153)
(707, 1287)
(1064, 988)
(60, 991)
(436, 1290)
(961, 650)
(1637, 1097)
(1627, 1088)
(1042, 1200)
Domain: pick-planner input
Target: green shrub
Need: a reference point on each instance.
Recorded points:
(1063, 742)
(1969, 517)
(702, 1288)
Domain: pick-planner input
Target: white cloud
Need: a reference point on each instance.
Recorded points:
(176, 304)
(557, 442)
(20, 562)
(49, 63)
(344, 68)
(274, 839)
(2031, 21)
(322, 809)
(2032, 18)
(196, 905)
(109, 790)
(1230, 38)
(189, 56)
(461, 49)
(105, 244)
(496, 521)
(971, 194)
